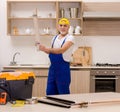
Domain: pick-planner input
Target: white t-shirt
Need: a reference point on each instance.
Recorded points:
(58, 42)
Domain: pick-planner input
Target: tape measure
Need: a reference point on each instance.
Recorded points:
(3, 97)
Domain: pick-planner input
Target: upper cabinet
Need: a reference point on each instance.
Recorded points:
(20, 16)
(101, 18)
(86, 18)
(72, 10)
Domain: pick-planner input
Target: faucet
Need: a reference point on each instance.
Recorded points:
(13, 62)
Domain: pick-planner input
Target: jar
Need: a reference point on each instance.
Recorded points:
(71, 30)
(77, 30)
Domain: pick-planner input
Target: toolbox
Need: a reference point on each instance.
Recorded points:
(17, 85)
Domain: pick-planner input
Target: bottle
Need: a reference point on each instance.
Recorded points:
(47, 30)
(15, 31)
(62, 13)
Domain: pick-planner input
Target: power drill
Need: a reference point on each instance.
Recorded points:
(3, 98)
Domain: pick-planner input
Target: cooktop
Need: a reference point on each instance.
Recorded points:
(107, 64)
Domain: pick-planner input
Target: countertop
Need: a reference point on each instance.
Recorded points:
(47, 66)
(110, 107)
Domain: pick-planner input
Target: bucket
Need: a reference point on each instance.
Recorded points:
(73, 12)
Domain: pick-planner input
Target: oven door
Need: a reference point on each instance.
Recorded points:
(103, 83)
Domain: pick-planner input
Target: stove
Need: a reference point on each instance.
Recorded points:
(105, 78)
(107, 64)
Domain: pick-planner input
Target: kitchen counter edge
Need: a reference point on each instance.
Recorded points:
(47, 66)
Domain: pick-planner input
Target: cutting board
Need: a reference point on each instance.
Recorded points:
(82, 56)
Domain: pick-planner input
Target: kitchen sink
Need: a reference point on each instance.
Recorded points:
(27, 64)
(23, 64)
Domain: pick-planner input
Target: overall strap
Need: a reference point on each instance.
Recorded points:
(54, 40)
(63, 42)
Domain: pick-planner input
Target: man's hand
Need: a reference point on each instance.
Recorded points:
(43, 48)
(37, 43)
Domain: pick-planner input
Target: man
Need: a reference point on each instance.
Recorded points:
(59, 54)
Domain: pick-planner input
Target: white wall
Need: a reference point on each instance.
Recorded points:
(104, 49)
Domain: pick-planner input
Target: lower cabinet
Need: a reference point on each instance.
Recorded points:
(80, 81)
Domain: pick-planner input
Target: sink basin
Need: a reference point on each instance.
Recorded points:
(22, 64)
(26, 64)
(29, 65)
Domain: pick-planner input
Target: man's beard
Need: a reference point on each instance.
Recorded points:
(63, 33)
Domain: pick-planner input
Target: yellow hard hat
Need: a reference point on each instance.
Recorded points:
(64, 21)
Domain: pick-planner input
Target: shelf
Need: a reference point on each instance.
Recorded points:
(29, 18)
(25, 35)
(20, 18)
(76, 35)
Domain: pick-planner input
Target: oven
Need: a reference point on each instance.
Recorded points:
(102, 80)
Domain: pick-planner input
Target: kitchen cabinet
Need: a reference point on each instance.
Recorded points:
(20, 16)
(39, 87)
(101, 18)
(80, 81)
(94, 18)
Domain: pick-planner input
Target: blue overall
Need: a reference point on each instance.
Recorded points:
(59, 74)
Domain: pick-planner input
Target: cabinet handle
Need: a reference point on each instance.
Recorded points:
(104, 78)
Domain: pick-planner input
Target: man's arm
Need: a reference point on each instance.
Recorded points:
(66, 46)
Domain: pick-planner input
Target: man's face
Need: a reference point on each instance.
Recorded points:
(63, 29)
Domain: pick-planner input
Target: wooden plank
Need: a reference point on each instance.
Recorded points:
(83, 100)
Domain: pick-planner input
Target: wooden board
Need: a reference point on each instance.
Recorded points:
(82, 56)
(90, 99)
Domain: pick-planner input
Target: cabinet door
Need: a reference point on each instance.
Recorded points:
(101, 18)
(39, 87)
(80, 81)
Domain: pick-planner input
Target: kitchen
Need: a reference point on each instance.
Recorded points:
(105, 48)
